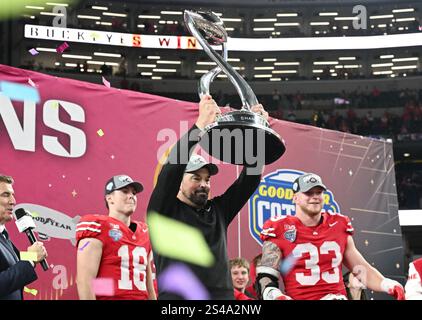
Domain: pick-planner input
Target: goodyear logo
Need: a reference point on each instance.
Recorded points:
(274, 197)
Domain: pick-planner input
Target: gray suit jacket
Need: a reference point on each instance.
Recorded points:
(14, 274)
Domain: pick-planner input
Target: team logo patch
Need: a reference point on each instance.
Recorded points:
(273, 200)
(290, 234)
(115, 234)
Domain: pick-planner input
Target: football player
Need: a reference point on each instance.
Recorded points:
(115, 247)
(413, 285)
(316, 245)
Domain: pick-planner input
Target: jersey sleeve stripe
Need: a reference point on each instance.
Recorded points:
(89, 223)
(89, 229)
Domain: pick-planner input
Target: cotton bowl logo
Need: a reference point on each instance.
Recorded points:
(273, 198)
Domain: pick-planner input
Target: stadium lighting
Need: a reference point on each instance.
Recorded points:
(275, 79)
(405, 19)
(405, 59)
(263, 29)
(114, 14)
(172, 12)
(75, 56)
(347, 58)
(153, 57)
(146, 73)
(404, 67)
(71, 65)
(328, 14)
(269, 59)
(231, 19)
(104, 54)
(287, 14)
(206, 63)
(156, 78)
(263, 68)
(57, 4)
(81, 16)
(99, 8)
(265, 20)
(346, 18)
(377, 73)
(233, 60)
(385, 16)
(286, 24)
(403, 10)
(146, 16)
(168, 62)
(51, 14)
(380, 65)
(35, 7)
(406, 155)
(164, 70)
(287, 63)
(146, 65)
(317, 63)
(45, 49)
(284, 71)
(201, 71)
(319, 23)
(263, 76)
(387, 56)
(317, 71)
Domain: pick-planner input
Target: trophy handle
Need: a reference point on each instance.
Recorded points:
(247, 96)
(207, 78)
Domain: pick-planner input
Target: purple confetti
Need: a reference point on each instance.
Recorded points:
(33, 51)
(84, 246)
(179, 279)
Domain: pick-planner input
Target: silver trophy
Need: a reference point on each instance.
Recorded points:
(236, 137)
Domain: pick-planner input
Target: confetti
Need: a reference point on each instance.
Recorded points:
(84, 246)
(19, 92)
(34, 214)
(33, 51)
(180, 241)
(94, 35)
(103, 287)
(32, 83)
(34, 292)
(62, 47)
(106, 83)
(287, 264)
(100, 132)
(28, 256)
(179, 279)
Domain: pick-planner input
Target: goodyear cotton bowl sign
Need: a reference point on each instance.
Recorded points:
(274, 197)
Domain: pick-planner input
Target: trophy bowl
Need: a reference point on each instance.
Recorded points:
(238, 137)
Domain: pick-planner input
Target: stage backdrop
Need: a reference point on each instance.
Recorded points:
(62, 149)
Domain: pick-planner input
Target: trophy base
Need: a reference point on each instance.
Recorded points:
(242, 138)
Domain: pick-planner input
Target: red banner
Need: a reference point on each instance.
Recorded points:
(62, 149)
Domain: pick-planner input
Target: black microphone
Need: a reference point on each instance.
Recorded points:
(25, 223)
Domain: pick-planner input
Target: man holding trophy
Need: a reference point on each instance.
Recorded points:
(183, 186)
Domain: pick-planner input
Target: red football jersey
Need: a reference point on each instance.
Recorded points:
(413, 286)
(315, 254)
(125, 254)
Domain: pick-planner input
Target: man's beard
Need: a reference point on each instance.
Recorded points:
(199, 197)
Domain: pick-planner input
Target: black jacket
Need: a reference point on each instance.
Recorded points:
(212, 221)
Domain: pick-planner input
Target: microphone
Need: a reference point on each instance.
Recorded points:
(25, 223)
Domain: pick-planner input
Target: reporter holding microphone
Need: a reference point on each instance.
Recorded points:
(14, 273)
